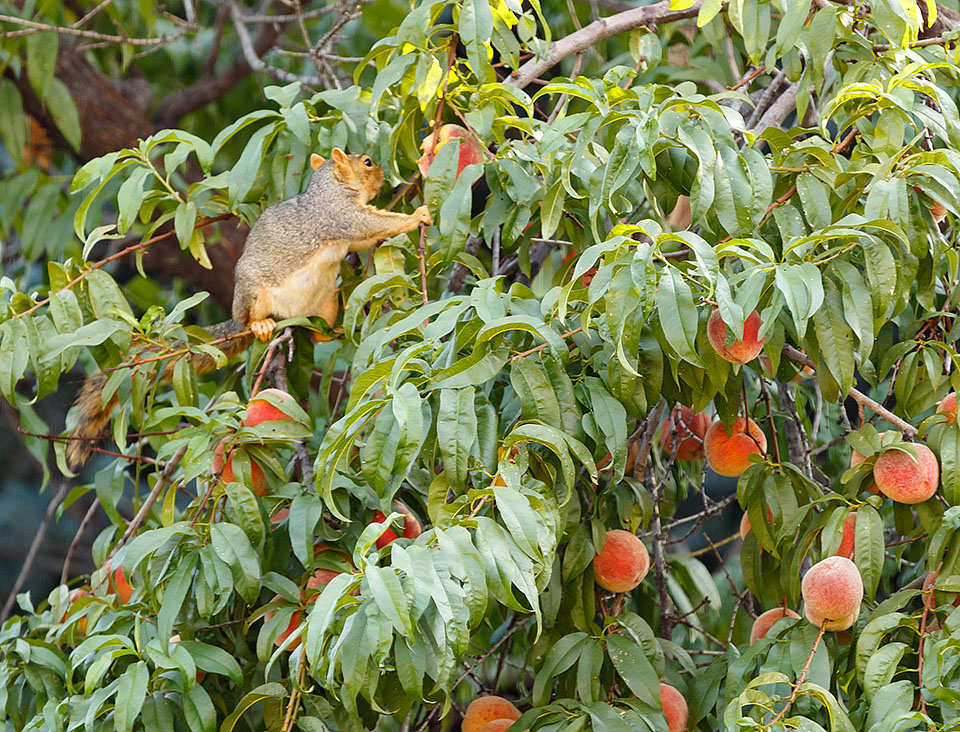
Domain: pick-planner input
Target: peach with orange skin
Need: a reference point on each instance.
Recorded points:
(622, 563)
(905, 479)
(948, 405)
(832, 591)
(470, 151)
(764, 621)
(498, 725)
(743, 349)
(682, 421)
(118, 584)
(487, 709)
(674, 708)
(729, 455)
(259, 410)
(225, 470)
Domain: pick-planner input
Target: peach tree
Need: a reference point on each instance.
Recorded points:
(497, 478)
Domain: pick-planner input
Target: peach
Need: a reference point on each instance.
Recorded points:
(498, 725)
(471, 152)
(260, 410)
(487, 709)
(622, 563)
(295, 621)
(743, 349)
(855, 459)
(729, 455)
(843, 623)
(929, 599)
(674, 708)
(847, 539)
(682, 421)
(71, 599)
(119, 584)
(905, 479)
(225, 470)
(948, 405)
(411, 525)
(832, 591)
(321, 578)
(765, 621)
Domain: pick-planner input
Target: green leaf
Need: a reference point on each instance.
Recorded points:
(261, 693)
(563, 654)
(869, 548)
(199, 711)
(42, 60)
(390, 598)
(634, 668)
(214, 660)
(456, 431)
(678, 315)
(131, 693)
(835, 337)
(64, 112)
(174, 594)
(476, 27)
(232, 546)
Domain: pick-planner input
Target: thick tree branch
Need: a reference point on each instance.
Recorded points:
(599, 30)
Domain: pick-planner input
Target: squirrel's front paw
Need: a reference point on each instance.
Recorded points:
(263, 329)
(423, 215)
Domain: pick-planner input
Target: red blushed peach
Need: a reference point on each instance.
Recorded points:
(765, 621)
(832, 590)
(674, 708)
(745, 522)
(904, 479)
(498, 725)
(729, 455)
(225, 470)
(487, 709)
(260, 410)
(930, 599)
(118, 584)
(847, 539)
(470, 151)
(622, 563)
(411, 525)
(855, 459)
(948, 406)
(743, 349)
(71, 600)
(689, 429)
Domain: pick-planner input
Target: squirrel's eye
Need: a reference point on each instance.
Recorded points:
(368, 162)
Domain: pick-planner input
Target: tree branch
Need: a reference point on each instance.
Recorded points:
(599, 30)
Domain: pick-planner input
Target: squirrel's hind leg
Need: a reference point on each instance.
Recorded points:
(328, 310)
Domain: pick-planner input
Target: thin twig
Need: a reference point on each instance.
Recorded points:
(87, 518)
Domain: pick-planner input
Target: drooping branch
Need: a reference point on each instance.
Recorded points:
(597, 31)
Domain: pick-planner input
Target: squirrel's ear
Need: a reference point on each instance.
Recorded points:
(316, 161)
(342, 163)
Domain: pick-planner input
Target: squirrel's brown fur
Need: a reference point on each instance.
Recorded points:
(288, 269)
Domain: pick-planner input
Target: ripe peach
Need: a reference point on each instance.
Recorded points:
(498, 725)
(948, 405)
(470, 151)
(674, 708)
(844, 623)
(71, 599)
(411, 525)
(765, 620)
(622, 563)
(855, 459)
(486, 709)
(225, 470)
(847, 539)
(260, 410)
(832, 590)
(904, 479)
(743, 349)
(745, 522)
(929, 599)
(682, 421)
(119, 584)
(729, 455)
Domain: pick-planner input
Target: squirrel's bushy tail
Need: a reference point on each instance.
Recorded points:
(92, 416)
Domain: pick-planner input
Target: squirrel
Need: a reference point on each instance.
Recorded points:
(288, 269)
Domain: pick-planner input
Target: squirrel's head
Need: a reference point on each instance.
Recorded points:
(358, 173)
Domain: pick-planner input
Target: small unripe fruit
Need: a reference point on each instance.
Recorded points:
(948, 405)
(832, 590)
(689, 429)
(743, 349)
(487, 709)
(260, 410)
(622, 563)
(674, 708)
(765, 621)
(729, 455)
(904, 479)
